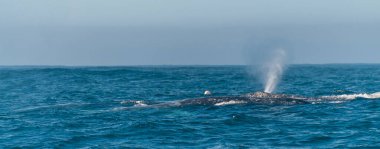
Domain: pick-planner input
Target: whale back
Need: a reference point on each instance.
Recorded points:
(272, 96)
(253, 98)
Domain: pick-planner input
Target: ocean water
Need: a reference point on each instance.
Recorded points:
(106, 107)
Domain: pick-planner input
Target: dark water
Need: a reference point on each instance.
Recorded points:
(73, 107)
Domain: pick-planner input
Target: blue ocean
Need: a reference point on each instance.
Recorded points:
(113, 107)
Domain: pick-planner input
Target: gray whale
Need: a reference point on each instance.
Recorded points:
(250, 98)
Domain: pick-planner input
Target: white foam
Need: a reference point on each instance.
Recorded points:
(230, 103)
(136, 103)
(140, 104)
(337, 101)
(354, 96)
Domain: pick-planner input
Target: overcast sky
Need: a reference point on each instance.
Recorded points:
(178, 32)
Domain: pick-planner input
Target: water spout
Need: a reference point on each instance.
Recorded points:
(273, 70)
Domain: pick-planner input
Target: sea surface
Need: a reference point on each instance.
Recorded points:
(108, 107)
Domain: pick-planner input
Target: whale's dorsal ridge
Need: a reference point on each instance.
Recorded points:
(270, 95)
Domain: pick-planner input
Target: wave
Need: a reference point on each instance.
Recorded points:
(353, 96)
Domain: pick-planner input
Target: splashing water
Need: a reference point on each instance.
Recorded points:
(354, 96)
(273, 70)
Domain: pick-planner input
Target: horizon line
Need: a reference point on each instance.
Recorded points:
(144, 65)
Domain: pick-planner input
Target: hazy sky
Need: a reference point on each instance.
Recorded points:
(145, 32)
